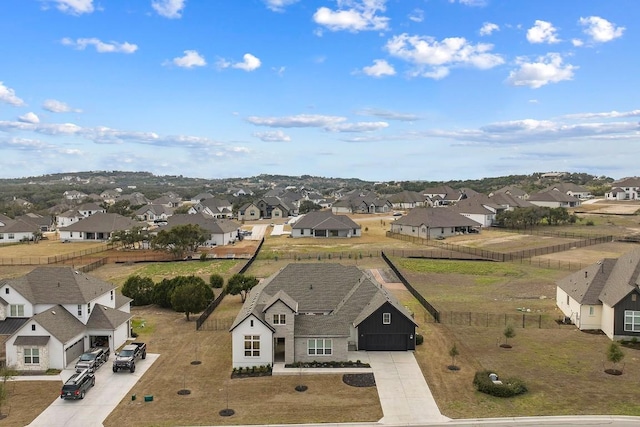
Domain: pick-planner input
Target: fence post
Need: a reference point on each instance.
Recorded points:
(523, 321)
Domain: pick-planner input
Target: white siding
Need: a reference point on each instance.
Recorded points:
(266, 343)
(571, 310)
(607, 320)
(590, 321)
(13, 297)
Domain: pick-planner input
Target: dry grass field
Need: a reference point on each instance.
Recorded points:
(46, 248)
(27, 399)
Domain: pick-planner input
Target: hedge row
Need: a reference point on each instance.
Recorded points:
(510, 387)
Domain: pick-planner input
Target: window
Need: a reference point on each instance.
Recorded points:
(567, 299)
(251, 323)
(31, 356)
(33, 327)
(279, 319)
(592, 311)
(386, 318)
(89, 308)
(11, 236)
(79, 309)
(252, 345)
(6, 290)
(634, 297)
(112, 295)
(319, 347)
(1, 236)
(17, 310)
(631, 321)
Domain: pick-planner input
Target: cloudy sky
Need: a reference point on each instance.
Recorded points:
(373, 89)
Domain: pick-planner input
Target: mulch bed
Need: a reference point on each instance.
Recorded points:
(630, 344)
(359, 380)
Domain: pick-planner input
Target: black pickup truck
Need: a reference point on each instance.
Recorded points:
(126, 358)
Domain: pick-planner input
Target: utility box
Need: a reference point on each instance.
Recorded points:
(148, 398)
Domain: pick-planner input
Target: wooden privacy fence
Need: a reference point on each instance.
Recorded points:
(217, 324)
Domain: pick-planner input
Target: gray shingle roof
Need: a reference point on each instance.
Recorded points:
(552, 196)
(58, 285)
(585, 285)
(215, 226)
(435, 217)
(330, 297)
(106, 318)
(59, 323)
(325, 220)
(104, 223)
(623, 278)
(34, 340)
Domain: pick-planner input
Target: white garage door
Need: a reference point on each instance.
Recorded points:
(74, 350)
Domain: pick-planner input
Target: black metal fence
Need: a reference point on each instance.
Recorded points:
(431, 309)
(216, 302)
(498, 320)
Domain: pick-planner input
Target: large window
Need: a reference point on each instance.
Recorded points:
(279, 319)
(319, 347)
(17, 310)
(31, 356)
(631, 321)
(252, 345)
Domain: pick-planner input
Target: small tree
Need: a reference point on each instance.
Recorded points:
(508, 332)
(239, 284)
(615, 356)
(5, 375)
(216, 281)
(162, 292)
(453, 352)
(191, 296)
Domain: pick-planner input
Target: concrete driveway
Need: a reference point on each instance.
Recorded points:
(257, 232)
(404, 394)
(100, 400)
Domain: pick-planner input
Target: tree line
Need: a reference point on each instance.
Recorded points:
(533, 216)
(184, 294)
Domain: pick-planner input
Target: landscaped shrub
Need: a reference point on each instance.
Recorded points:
(419, 339)
(216, 281)
(510, 387)
(589, 223)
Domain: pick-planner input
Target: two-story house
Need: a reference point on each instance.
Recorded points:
(56, 314)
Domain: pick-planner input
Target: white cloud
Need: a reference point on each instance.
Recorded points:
(605, 115)
(488, 28)
(171, 9)
(328, 123)
(473, 3)
(249, 63)
(546, 69)
(278, 5)
(55, 106)
(100, 46)
(190, 59)
(29, 118)
(417, 15)
(433, 58)
(577, 42)
(74, 7)
(26, 144)
(542, 32)
(273, 136)
(389, 115)
(354, 16)
(600, 30)
(379, 68)
(8, 96)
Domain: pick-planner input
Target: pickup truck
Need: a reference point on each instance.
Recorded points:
(126, 358)
(93, 358)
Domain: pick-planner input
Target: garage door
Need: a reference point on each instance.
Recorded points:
(74, 350)
(386, 342)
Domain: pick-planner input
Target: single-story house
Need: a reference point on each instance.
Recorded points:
(151, 213)
(407, 200)
(554, 199)
(571, 189)
(222, 231)
(98, 226)
(16, 230)
(325, 224)
(57, 313)
(605, 296)
(430, 223)
(308, 312)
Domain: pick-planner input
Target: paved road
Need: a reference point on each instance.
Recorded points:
(109, 390)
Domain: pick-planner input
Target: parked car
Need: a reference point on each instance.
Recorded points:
(126, 358)
(77, 385)
(93, 359)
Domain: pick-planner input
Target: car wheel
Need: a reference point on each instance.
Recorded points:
(82, 395)
(133, 368)
(115, 369)
(93, 382)
(144, 355)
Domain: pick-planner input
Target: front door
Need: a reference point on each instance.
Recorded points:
(278, 349)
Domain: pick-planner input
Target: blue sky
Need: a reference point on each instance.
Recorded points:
(373, 89)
